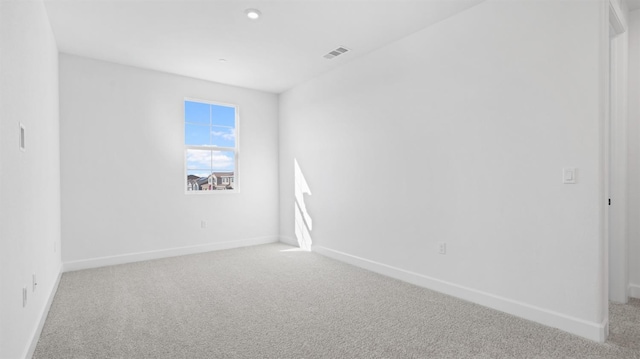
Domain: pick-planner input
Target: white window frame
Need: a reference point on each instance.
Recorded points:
(235, 150)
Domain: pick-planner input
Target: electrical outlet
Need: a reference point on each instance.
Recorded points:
(24, 297)
(442, 247)
(34, 283)
(203, 224)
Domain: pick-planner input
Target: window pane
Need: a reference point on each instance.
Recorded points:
(197, 135)
(223, 136)
(223, 116)
(210, 170)
(223, 175)
(196, 112)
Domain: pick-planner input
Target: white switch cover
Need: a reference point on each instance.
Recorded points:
(569, 175)
(21, 140)
(442, 247)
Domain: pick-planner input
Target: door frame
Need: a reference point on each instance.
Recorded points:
(617, 160)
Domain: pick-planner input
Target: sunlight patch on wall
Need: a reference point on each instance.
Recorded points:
(303, 222)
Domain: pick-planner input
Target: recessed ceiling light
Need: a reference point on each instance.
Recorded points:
(253, 14)
(222, 60)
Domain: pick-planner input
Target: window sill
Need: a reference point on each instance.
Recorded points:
(229, 191)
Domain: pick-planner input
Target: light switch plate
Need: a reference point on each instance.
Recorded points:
(569, 175)
(21, 138)
(442, 247)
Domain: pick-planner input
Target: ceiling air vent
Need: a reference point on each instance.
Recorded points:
(337, 52)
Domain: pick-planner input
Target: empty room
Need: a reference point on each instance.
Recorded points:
(319, 179)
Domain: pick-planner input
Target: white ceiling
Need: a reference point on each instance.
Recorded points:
(283, 48)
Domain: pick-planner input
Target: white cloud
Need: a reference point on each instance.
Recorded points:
(222, 160)
(198, 158)
(229, 135)
(215, 160)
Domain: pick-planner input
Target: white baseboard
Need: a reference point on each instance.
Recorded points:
(634, 291)
(43, 317)
(590, 330)
(164, 253)
(288, 240)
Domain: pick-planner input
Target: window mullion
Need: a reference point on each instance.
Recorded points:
(211, 148)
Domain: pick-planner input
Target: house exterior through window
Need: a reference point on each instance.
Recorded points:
(211, 146)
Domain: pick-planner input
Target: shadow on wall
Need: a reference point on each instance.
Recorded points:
(303, 221)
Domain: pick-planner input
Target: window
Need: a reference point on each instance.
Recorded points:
(211, 146)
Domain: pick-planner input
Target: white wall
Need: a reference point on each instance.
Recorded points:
(122, 146)
(459, 133)
(30, 180)
(633, 140)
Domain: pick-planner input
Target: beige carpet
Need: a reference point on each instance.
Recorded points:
(270, 302)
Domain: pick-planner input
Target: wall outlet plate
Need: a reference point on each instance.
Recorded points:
(442, 247)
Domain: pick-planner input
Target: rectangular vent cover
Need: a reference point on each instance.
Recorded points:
(337, 52)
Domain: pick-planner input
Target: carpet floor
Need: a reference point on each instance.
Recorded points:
(271, 301)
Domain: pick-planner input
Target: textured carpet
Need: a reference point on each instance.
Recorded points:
(271, 302)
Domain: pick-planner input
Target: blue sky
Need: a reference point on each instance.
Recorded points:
(209, 125)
